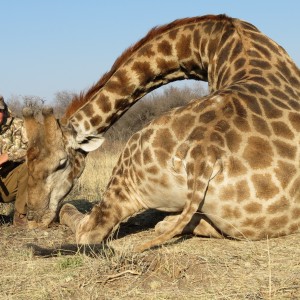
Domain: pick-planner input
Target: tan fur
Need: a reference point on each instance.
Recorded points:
(229, 160)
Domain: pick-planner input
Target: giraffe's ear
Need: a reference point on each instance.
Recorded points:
(89, 143)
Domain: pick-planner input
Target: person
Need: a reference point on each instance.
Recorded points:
(13, 167)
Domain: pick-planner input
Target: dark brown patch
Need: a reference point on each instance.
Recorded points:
(133, 146)
(197, 134)
(88, 110)
(146, 134)
(86, 125)
(281, 129)
(263, 50)
(285, 173)
(79, 117)
(146, 51)
(183, 47)
(215, 137)
(137, 157)
(254, 222)
(233, 140)
(264, 186)
(222, 126)
(103, 102)
(260, 64)
(285, 150)
(243, 191)
(294, 227)
(166, 64)
(182, 125)
(230, 212)
(238, 76)
(228, 110)
(251, 102)
(121, 104)
(275, 81)
(247, 233)
(236, 50)
(253, 208)
(239, 108)
(227, 193)
(296, 213)
(96, 120)
(119, 84)
(207, 116)
(153, 170)
(235, 167)
(258, 153)
(295, 120)
(197, 152)
(224, 52)
(143, 71)
(294, 191)
(147, 156)
(163, 139)
(278, 222)
(279, 94)
(126, 153)
(270, 110)
(261, 125)
(173, 34)
(239, 63)
(165, 48)
(280, 205)
(241, 124)
(162, 157)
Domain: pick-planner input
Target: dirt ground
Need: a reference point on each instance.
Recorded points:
(186, 268)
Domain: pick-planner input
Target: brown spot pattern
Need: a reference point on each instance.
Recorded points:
(285, 150)
(258, 153)
(285, 173)
(279, 206)
(235, 167)
(264, 186)
(282, 130)
(233, 140)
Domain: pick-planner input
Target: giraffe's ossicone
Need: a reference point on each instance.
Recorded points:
(227, 163)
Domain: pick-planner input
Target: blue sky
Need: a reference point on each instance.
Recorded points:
(57, 45)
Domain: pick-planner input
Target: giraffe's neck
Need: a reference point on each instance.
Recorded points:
(204, 48)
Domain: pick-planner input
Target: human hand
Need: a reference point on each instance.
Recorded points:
(3, 158)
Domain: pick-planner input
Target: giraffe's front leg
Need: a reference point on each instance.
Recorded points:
(199, 225)
(70, 216)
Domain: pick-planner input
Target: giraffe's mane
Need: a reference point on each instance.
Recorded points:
(80, 100)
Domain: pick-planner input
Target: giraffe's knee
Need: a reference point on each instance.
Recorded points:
(166, 224)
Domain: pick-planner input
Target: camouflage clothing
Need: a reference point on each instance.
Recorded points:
(13, 140)
(13, 173)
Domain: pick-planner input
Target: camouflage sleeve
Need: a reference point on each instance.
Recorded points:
(18, 148)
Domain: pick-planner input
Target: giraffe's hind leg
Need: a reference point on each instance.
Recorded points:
(199, 225)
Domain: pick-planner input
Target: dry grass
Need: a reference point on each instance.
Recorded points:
(186, 268)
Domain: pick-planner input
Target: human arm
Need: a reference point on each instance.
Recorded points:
(14, 142)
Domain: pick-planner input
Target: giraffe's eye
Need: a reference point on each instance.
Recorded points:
(62, 164)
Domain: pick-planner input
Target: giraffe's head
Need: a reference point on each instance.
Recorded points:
(55, 160)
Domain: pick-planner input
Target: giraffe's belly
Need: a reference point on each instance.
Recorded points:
(170, 198)
(166, 192)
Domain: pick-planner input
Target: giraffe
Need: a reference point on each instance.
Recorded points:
(227, 164)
